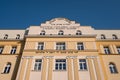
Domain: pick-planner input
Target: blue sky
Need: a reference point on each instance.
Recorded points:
(20, 14)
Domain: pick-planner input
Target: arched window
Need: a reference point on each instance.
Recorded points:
(114, 36)
(6, 36)
(7, 68)
(78, 32)
(18, 36)
(42, 33)
(103, 36)
(60, 32)
(112, 68)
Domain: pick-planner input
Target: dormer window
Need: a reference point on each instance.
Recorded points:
(6, 36)
(78, 33)
(103, 36)
(60, 32)
(42, 33)
(114, 37)
(18, 36)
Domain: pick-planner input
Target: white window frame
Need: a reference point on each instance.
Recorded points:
(62, 64)
(118, 49)
(7, 68)
(112, 68)
(6, 36)
(18, 36)
(1, 49)
(61, 46)
(78, 33)
(103, 36)
(36, 68)
(13, 50)
(61, 32)
(40, 46)
(114, 37)
(80, 46)
(107, 50)
(82, 63)
(42, 33)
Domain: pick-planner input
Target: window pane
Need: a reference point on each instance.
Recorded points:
(37, 65)
(60, 64)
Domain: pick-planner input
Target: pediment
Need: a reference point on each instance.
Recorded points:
(60, 22)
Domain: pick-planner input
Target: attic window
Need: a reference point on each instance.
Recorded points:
(60, 32)
(78, 33)
(6, 36)
(42, 33)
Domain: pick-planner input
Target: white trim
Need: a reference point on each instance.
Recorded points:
(24, 74)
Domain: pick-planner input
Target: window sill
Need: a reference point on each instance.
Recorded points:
(36, 70)
(4, 73)
(83, 70)
(59, 70)
(115, 73)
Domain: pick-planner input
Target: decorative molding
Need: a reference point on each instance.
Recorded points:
(91, 57)
(48, 57)
(72, 57)
(27, 57)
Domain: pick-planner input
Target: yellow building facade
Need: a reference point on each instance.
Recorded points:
(60, 49)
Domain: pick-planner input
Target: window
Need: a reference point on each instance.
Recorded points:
(42, 33)
(114, 36)
(106, 50)
(1, 49)
(103, 36)
(78, 33)
(82, 64)
(7, 68)
(60, 46)
(38, 63)
(112, 68)
(40, 46)
(13, 50)
(118, 49)
(60, 32)
(80, 46)
(60, 64)
(18, 36)
(6, 36)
